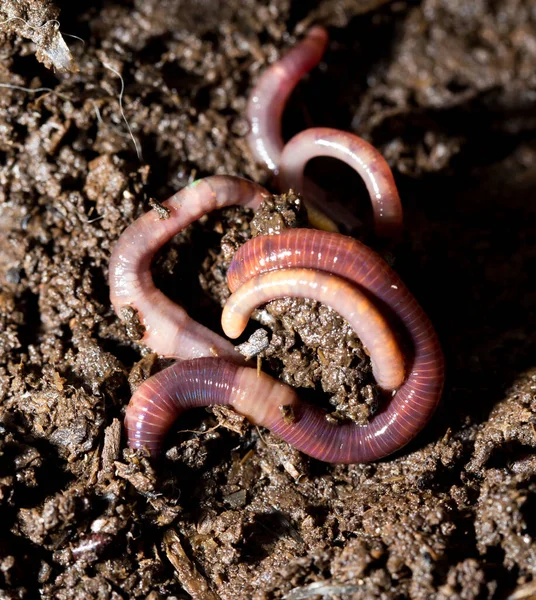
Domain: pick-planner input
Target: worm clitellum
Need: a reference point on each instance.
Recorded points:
(158, 402)
(265, 108)
(168, 328)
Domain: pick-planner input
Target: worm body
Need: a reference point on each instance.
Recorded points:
(158, 402)
(413, 404)
(168, 328)
(354, 151)
(206, 381)
(336, 292)
(264, 111)
(333, 269)
(268, 98)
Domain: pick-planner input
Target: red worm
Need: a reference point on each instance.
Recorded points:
(413, 404)
(354, 151)
(264, 110)
(264, 401)
(168, 328)
(158, 402)
(268, 98)
(341, 295)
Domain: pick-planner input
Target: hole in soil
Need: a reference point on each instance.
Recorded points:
(261, 535)
(153, 51)
(202, 99)
(319, 514)
(29, 332)
(123, 352)
(28, 67)
(457, 87)
(99, 285)
(507, 454)
(528, 511)
(342, 185)
(298, 12)
(176, 78)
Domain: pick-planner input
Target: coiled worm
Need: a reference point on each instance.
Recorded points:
(413, 404)
(168, 328)
(333, 269)
(264, 110)
(264, 401)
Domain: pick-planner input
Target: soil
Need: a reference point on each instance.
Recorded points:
(446, 89)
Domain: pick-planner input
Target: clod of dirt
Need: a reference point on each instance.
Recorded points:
(38, 21)
(278, 213)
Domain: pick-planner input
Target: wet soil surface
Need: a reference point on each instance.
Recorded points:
(446, 89)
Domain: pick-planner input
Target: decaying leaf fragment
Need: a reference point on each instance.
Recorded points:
(36, 20)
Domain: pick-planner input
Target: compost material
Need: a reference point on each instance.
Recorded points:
(150, 95)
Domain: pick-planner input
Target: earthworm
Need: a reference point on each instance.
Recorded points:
(168, 328)
(159, 400)
(413, 404)
(359, 154)
(338, 293)
(264, 401)
(264, 111)
(268, 98)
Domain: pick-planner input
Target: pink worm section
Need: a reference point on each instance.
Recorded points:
(269, 97)
(264, 111)
(158, 402)
(355, 152)
(413, 404)
(205, 382)
(168, 328)
(336, 292)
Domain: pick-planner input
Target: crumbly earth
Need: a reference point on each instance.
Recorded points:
(309, 345)
(446, 89)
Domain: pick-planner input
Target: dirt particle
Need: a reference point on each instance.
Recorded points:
(162, 211)
(133, 326)
(287, 413)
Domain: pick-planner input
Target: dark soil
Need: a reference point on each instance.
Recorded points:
(447, 90)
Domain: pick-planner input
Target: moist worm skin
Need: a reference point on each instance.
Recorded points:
(357, 153)
(413, 404)
(264, 111)
(265, 108)
(336, 292)
(268, 98)
(158, 402)
(168, 328)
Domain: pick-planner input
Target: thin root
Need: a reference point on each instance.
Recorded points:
(136, 145)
